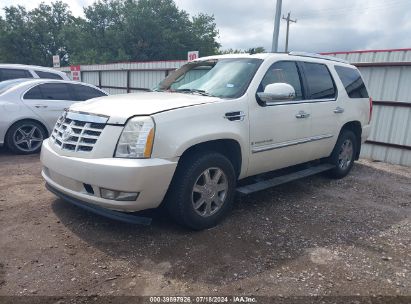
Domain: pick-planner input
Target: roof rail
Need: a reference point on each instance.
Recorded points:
(313, 55)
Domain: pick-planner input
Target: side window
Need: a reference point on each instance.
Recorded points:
(319, 81)
(6, 74)
(352, 81)
(82, 92)
(55, 91)
(285, 72)
(48, 75)
(33, 93)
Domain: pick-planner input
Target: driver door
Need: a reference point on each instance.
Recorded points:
(279, 130)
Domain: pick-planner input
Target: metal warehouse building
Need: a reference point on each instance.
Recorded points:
(387, 74)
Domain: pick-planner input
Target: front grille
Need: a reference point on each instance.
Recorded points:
(76, 135)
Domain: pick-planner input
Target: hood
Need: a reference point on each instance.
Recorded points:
(120, 107)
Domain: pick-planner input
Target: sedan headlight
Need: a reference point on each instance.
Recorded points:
(136, 140)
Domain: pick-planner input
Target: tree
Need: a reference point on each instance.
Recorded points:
(255, 50)
(47, 25)
(205, 32)
(112, 30)
(16, 36)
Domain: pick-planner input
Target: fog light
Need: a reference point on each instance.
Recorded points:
(118, 195)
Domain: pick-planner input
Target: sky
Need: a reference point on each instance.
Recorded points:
(322, 25)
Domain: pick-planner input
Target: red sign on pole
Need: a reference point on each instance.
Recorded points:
(75, 72)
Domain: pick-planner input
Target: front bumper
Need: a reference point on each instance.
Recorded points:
(68, 175)
(115, 215)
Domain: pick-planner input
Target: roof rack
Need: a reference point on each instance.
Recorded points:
(313, 55)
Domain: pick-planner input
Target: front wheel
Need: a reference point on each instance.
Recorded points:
(25, 137)
(201, 193)
(343, 154)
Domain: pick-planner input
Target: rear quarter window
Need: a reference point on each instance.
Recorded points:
(82, 92)
(352, 81)
(48, 75)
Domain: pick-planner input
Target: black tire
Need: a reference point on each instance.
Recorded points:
(20, 131)
(342, 157)
(181, 197)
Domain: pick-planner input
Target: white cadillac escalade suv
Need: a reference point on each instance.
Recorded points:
(213, 122)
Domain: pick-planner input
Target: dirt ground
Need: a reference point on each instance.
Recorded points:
(315, 236)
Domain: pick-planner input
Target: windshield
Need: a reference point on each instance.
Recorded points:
(224, 78)
(7, 84)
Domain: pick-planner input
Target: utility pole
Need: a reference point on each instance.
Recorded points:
(288, 19)
(276, 32)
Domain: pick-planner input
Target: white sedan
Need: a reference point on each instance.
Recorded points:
(29, 109)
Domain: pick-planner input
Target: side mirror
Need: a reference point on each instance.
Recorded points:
(277, 92)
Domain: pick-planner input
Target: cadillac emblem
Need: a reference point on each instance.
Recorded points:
(67, 133)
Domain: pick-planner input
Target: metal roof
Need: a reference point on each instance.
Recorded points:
(374, 56)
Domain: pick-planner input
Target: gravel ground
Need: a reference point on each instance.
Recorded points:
(315, 236)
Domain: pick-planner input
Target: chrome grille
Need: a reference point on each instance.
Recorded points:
(77, 135)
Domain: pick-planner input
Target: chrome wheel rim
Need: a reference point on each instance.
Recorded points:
(209, 192)
(346, 154)
(28, 138)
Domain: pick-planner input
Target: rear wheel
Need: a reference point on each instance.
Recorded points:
(343, 154)
(25, 137)
(202, 190)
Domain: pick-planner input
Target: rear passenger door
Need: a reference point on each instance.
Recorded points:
(49, 100)
(325, 108)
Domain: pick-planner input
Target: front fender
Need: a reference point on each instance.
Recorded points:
(178, 130)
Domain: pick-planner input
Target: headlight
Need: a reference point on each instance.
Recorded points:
(136, 140)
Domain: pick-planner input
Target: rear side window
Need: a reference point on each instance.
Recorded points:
(82, 92)
(55, 91)
(48, 75)
(352, 81)
(283, 72)
(319, 81)
(33, 93)
(6, 74)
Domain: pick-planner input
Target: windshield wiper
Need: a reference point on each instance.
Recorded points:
(201, 92)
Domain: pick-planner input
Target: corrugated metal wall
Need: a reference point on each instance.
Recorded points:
(387, 74)
(127, 77)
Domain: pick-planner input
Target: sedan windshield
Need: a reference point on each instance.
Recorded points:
(224, 78)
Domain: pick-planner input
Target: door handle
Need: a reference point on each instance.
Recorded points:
(40, 106)
(338, 110)
(235, 116)
(302, 114)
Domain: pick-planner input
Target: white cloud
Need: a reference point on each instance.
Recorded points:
(322, 25)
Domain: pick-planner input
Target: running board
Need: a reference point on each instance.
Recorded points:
(265, 184)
